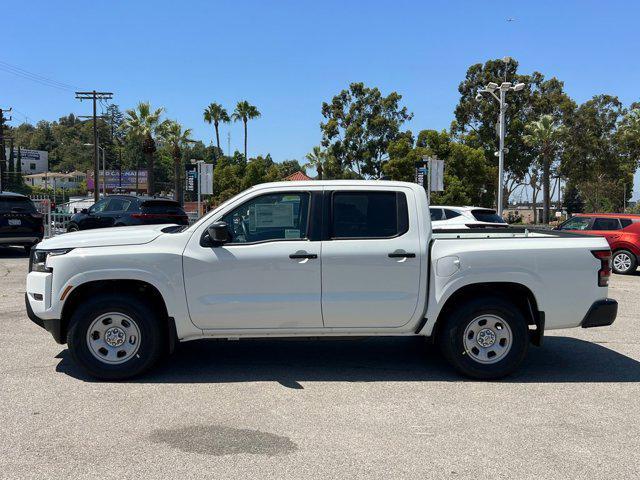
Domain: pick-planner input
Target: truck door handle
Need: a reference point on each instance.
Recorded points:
(299, 255)
(402, 255)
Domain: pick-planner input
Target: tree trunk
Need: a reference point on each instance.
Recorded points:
(546, 189)
(217, 136)
(150, 176)
(534, 198)
(245, 142)
(319, 170)
(177, 184)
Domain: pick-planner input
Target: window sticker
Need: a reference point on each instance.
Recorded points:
(273, 216)
(292, 233)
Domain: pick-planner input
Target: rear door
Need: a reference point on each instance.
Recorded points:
(608, 227)
(370, 258)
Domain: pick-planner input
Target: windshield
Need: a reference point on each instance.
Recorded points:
(16, 204)
(487, 216)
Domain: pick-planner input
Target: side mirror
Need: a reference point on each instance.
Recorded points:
(85, 211)
(218, 233)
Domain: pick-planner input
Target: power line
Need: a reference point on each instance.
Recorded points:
(34, 77)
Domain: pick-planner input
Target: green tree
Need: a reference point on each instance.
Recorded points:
(476, 116)
(143, 124)
(359, 125)
(216, 114)
(176, 139)
(315, 160)
(597, 159)
(545, 135)
(244, 112)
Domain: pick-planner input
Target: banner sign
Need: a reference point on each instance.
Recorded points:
(127, 182)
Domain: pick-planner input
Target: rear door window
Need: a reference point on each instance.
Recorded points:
(436, 214)
(606, 224)
(487, 216)
(451, 213)
(625, 222)
(369, 215)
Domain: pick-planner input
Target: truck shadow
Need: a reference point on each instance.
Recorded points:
(289, 362)
(13, 252)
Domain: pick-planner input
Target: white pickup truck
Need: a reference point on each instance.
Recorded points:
(309, 259)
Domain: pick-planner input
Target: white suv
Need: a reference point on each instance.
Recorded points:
(446, 217)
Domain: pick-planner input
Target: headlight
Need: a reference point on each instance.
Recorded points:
(38, 262)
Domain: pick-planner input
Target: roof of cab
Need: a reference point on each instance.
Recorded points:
(615, 215)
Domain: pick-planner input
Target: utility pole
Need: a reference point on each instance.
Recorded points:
(95, 96)
(3, 159)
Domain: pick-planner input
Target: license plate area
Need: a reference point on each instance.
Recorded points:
(15, 222)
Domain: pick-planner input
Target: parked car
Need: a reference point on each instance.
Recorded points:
(445, 217)
(316, 258)
(622, 231)
(20, 222)
(126, 210)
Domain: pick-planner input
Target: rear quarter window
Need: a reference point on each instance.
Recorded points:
(487, 216)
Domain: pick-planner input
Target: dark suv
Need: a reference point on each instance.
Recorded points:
(20, 222)
(125, 210)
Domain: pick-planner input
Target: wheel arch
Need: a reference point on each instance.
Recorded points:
(137, 288)
(517, 293)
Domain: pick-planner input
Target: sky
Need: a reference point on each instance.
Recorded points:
(287, 57)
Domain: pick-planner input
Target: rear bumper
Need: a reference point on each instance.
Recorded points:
(53, 326)
(601, 314)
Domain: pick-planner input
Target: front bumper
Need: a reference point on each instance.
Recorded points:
(601, 314)
(26, 239)
(53, 326)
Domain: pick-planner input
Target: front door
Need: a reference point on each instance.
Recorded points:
(267, 276)
(371, 260)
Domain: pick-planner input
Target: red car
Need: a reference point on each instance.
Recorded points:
(621, 230)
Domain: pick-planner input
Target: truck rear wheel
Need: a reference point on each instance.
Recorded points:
(485, 338)
(115, 337)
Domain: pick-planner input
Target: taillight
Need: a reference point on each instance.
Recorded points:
(605, 266)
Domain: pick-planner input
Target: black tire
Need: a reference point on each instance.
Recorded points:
(151, 336)
(452, 342)
(27, 249)
(624, 257)
(72, 227)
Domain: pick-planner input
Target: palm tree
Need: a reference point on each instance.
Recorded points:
(143, 124)
(544, 134)
(316, 159)
(245, 111)
(216, 113)
(176, 138)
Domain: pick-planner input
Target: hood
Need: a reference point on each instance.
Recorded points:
(104, 237)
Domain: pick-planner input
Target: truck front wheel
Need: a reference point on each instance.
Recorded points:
(113, 337)
(485, 338)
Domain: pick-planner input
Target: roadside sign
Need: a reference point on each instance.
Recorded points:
(206, 180)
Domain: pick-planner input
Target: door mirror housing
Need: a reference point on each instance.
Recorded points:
(218, 233)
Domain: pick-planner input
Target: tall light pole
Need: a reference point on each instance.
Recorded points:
(503, 89)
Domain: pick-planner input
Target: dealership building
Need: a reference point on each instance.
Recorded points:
(33, 161)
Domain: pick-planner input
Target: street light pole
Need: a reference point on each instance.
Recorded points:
(503, 107)
(503, 88)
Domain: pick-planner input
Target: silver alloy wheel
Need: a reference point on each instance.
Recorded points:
(487, 339)
(113, 338)
(622, 262)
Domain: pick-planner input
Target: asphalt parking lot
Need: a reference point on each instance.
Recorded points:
(378, 408)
